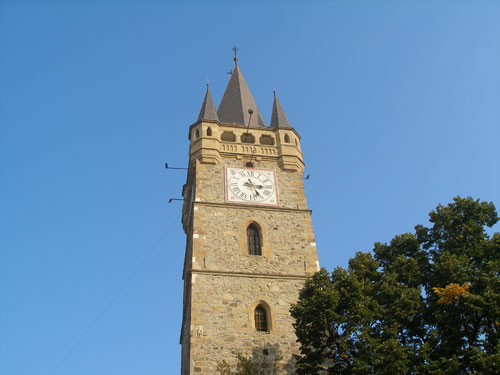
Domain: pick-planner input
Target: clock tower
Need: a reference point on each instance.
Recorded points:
(250, 243)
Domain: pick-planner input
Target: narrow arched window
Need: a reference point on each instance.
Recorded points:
(260, 319)
(197, 133)
(209, 132)
(253, 238)
(287, 138)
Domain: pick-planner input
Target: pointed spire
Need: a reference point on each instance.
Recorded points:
(237, 100)
(278, 117)
(208, 111)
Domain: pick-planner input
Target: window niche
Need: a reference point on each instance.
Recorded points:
(228, 137)
(266, 140)
(209, 132)
(197, 134)
(287, 138)
(247, 138)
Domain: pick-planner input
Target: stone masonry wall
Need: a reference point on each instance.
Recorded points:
(222, 320)
(219, 240)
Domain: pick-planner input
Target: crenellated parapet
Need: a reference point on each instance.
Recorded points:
(210, 141)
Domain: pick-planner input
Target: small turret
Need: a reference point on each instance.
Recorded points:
(278, 117)
(208, 111)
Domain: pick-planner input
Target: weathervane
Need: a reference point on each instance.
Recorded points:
(235, 50)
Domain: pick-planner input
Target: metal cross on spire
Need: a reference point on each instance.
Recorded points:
(235, 50)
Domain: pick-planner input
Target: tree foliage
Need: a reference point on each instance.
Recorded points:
(250, 365)
(427, 303)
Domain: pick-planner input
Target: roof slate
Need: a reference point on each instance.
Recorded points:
(207, 111)
(278, 117)
(236, 102)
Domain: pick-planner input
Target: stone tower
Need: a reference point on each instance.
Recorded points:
(250, 243)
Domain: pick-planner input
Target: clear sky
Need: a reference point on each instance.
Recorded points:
(397, 103)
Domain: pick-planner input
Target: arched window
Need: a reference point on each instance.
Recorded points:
(228, 136)
(197, 133)
(260, 319)
(253, 239)
(266, 140)
(287, 138)
(209, 132)
(247, 138)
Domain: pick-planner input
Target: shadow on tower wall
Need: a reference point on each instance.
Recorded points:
(264, 360)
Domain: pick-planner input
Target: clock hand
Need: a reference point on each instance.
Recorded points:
(250, 183)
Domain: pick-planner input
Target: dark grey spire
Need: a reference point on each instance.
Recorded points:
(236, 102)
(278, 117)
(207, 111)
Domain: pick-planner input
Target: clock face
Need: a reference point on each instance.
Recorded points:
(251, 186)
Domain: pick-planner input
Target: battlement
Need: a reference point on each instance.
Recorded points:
(211, 141)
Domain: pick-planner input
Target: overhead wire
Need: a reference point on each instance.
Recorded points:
(112, 299)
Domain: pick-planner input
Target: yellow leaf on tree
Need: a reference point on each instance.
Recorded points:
(451, 292)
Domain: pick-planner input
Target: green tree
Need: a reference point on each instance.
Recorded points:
(257, 364)
(426, 303)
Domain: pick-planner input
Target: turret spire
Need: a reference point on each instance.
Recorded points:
(208, 111)
(278, 117)
(237, 100)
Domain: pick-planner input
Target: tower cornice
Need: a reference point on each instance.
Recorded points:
(252, 275)
(264, 208)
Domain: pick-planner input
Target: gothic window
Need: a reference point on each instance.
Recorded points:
(253, 239)
(197, 134)
(260, 319)
(209, 132)
(287, 138)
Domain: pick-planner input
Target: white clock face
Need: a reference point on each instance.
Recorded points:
(252, 186)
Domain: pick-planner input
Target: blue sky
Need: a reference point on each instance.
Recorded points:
(397, 103)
